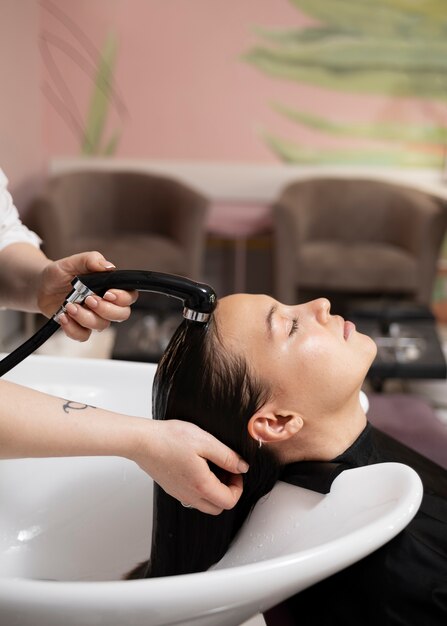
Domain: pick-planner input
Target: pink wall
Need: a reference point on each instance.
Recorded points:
(21, 154)
(186, 93)
(181, 89)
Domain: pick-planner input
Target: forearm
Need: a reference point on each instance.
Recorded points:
(21, 266)
(34, 424)
(173, 453)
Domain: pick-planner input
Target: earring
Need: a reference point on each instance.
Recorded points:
(259, 442)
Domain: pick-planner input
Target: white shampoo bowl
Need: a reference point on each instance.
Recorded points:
(70, 528)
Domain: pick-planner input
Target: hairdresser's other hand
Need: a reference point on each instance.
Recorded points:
(96, 313)
(176, 457)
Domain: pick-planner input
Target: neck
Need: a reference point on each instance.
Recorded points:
(324, 437)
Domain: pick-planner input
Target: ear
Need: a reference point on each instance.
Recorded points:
(271, 425)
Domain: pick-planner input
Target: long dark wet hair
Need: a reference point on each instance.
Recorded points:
(197, 380)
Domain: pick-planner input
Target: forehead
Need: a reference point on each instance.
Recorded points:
(241, 316)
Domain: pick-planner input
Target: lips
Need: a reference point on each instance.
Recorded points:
(348, 328)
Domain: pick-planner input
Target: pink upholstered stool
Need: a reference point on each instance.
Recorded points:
(239, 221)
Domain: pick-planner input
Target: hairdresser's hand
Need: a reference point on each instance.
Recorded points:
(96, 313)
(176, 457)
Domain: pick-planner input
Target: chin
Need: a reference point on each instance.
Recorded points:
(371, 347)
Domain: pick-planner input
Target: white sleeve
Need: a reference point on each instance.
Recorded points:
(12, 230)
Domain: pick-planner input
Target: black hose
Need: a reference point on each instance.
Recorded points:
(29, 346)
(197, 297)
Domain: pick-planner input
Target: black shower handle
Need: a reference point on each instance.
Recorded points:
(196, 296)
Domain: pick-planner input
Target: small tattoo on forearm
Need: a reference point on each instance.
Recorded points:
(76, 406)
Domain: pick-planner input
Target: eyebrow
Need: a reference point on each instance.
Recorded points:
(269, 318)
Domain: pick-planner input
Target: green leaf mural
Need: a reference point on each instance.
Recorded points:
(386, 131)
(291, 152)
(395, 48)
(67, 42)
(360, 64)
(382, 18)
(93, 142)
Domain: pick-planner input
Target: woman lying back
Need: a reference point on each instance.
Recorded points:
(280, 385)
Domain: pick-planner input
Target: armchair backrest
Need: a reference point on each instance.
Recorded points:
(107, 203)
(353, 210)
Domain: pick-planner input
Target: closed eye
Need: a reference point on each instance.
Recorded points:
(294, 326)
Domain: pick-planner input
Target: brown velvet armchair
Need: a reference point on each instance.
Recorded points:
(356, 236)
(137, 220)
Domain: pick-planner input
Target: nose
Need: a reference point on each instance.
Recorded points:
(321, 309)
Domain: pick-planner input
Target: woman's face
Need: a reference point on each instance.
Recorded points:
(314, 361)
